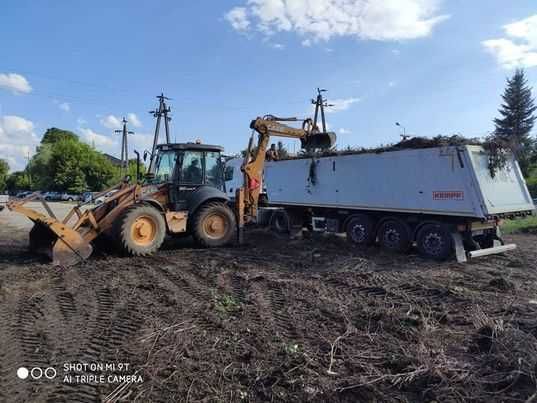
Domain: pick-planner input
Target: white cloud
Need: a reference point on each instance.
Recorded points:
(338, 105)
(520, 49)
(344, 131)
(140, 142)
(64, 106)
(97, 139)
(278, 46)
(17, 141)
(133, 120)
(111, 122)
(392, 84)
(396, 52)
(111, 144)
(15, 83)
(307, 43)
(238, 19)
(316, 20)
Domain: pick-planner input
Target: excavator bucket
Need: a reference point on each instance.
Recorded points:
(320, 141)
(62, 244)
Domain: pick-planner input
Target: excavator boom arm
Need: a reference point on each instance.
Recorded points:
(247, 197)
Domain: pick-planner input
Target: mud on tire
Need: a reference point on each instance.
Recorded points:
(141, 230)
(434, 242)
(214, 225)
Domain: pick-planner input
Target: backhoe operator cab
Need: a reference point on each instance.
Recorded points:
(184, 195)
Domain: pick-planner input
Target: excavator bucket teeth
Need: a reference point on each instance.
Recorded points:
(63, 245)
(322, 141)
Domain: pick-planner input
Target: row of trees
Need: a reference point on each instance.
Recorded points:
(64, 163)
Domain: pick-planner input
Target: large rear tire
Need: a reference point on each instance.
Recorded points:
(280, 222)
(141, 230)
(360, 230)
(214, 225)
(434, 242)
(394, 235)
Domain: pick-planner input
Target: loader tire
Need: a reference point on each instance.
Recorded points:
(394, 235)
(141, 230)
(214, 225)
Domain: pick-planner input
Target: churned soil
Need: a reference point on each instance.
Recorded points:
(274, 320)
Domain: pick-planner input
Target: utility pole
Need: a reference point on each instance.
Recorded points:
(404, 136)
(124, 148)
(320, 103)
(162, 111)
(28, 168)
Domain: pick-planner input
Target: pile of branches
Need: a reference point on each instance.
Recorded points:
(497, 149)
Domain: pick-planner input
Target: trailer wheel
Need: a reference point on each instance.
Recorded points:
(394, 235)
(141, 230)
(434, 242)
(360, 230)
(280, 222)
(214, 225)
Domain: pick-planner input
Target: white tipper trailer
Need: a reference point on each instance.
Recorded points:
(443, 199)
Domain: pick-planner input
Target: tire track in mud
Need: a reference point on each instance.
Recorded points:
(30, 337)
(90, 351)
(278, 304)
(113, 325)
(9, 355)
(190, 286)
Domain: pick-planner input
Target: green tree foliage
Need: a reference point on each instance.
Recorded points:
(4, 170)
(18, 181)
(131, 171)
(63, 163)
(53, 135)
(514, 126)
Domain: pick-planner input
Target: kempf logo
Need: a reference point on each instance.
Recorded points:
(37, 373)
(448, 195)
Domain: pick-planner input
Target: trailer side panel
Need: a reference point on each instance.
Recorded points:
(428, 181)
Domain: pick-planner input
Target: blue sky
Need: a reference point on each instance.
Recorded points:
(438, 67)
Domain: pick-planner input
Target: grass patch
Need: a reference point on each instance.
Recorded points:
(528, 224)
(227, 305)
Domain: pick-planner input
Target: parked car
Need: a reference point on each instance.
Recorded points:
(3, 200)
(69, 197)
(99, 200)
(86, 197)
(23, 194)
(52, 196)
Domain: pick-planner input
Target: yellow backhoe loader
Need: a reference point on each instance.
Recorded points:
(183, 194)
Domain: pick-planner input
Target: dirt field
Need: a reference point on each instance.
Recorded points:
(274, 320)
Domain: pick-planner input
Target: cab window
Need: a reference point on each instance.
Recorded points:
(213, 170)
(165, 167)
(192, 171)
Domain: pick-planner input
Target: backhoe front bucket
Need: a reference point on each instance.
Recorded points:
(322, 141)
(61, 243)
